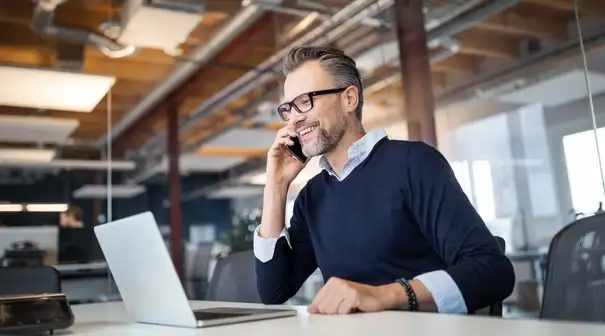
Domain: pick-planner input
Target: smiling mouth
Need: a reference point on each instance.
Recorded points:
(305, 131)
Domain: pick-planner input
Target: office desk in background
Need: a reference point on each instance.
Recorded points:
(111, 319)
(88, 282)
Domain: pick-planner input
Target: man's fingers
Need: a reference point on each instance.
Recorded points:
(312, 309)
(287, 131)
(346, 306)
(331, 303)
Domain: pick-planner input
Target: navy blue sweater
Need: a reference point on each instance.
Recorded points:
(400, 213)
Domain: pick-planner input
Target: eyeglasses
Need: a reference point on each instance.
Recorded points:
(303, 103)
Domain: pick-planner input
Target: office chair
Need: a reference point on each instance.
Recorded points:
(197, 270)
(29, 280)
(234, 279)
(495, 309)
(574, 289)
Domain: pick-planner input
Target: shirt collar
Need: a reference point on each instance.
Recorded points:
(358, 151)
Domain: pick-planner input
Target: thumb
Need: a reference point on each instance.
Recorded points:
(312, 309)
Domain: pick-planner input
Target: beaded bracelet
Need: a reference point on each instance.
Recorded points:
(412, 300)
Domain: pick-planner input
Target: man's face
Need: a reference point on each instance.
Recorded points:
(65, 219)
(321, 128)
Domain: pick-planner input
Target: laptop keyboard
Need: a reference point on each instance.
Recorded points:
(202, 315)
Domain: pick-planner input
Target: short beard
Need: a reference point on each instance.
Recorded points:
(327, 140)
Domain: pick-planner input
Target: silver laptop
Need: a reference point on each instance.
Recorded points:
(149, 285)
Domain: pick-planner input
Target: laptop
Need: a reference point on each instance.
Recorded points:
(149, 285)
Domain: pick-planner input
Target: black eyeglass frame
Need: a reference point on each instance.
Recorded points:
(311, 95)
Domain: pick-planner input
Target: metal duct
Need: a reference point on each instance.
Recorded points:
(345, 19)
(325, 14)
(42, 23)
(325, 34)
(445, 28)
(242, 20)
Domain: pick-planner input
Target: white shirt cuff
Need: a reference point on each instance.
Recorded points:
(445, 292)
(265, 247)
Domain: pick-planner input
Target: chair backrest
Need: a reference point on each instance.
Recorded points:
(574, 289)
(495, 309)
(234, 279)
(197, 259)
(29, 280)
(200, 259)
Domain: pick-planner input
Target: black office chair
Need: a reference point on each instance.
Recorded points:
(197, 271)
(29, 280)
(574, 289)
(495, 309)
(234, 279)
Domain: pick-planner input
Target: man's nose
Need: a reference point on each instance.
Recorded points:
(297, 117)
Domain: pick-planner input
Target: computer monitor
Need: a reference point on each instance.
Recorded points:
(77, 246)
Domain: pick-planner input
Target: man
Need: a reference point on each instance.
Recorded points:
(71, 218)
(385, 221)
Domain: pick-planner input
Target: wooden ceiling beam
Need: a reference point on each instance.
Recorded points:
(134, 71)
(129, 69)
(587, 7)
(513, 24)
(232, 151)
(243, 51)
(21, 12)
(477, 43)
(456, 64)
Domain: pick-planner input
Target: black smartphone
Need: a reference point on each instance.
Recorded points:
(296, 150)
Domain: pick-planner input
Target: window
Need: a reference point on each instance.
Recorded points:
(484, 190)
(583, 170)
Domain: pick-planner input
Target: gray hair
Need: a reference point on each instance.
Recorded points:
(334, 61)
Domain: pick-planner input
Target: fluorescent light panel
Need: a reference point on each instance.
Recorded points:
(26, 154)
(11, 207)
(234, 192)
(244, 138)
(28, 129)
(100, 191)
(46, 207)
(53, 90)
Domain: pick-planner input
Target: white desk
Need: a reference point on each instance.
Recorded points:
(112, 319)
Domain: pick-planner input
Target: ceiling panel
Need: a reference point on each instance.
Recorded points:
(100, 191)
(244, 138)
(52, 90)
(24, 129)
(193, 163)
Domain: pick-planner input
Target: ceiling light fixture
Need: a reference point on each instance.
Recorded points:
(11, 207)
(46, 207)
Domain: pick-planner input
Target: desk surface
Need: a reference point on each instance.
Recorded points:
(112, 319)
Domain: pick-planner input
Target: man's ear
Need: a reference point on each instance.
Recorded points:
(352, 98)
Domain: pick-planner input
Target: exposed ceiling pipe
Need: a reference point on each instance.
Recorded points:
(325, 14)
(42, 23)
(443, 30)
(519, 70)
(326, 33)
(101, 165)
(340, 22)
(377, 84)
(241, 21)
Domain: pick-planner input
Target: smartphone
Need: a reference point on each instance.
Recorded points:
(296, 150)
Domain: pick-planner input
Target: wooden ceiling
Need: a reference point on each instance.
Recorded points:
(136, 75)
(496, 40)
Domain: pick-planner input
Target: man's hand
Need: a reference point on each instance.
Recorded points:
(340, 296)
